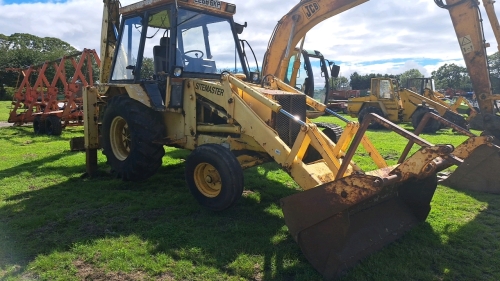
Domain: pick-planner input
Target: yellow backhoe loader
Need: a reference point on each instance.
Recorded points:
(425, 86)
(397, 104)
(199, 98)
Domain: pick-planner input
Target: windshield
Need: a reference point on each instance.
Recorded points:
(206, 44)
(315, 88)
(128, 49)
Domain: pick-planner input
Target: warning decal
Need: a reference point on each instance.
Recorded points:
(466, 44)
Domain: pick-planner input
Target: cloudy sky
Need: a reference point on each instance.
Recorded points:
(379, 36)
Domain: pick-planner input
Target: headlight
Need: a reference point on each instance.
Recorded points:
(230, 8)
(177, 71)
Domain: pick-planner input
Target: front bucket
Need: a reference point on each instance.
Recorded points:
(478, 172)
(339, 223)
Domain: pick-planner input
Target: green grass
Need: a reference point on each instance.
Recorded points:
(4, 110)
(55, 225)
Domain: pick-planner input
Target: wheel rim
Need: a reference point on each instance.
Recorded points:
(120, 138)
(207, 180)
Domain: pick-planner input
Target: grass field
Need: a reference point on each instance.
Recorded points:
(55, 225)
(4, 110)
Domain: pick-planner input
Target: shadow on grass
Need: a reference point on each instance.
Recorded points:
(162, 212)
(36, 166)
(439, 249)
(15, 135)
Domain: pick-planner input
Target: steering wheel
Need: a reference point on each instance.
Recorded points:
(195, 51)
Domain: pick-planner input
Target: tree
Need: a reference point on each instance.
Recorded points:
(364, 82)
(3, 92)
(494, 64)
(409, 74)
(23, 50)
(452, 76)
(338, 83)
(355, 80)
(147, 70)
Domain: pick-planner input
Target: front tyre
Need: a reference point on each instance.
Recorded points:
(371, 109)
(53, 126)
(39, 125)
(432, 125)
(129, 130)
(214, 177)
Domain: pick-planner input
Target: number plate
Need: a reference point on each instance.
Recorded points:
(210, 3)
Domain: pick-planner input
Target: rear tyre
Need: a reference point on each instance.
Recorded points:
(432, 125)
(367, 110)
(214, 177)
(53, 125)
(129, 129)
(39, 125)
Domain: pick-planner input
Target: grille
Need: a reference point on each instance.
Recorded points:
(287, 128)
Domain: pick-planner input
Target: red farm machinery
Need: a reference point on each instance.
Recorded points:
(50, 94)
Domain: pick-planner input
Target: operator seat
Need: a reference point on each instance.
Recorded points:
(160, 54)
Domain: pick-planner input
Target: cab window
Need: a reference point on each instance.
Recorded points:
(385, 89)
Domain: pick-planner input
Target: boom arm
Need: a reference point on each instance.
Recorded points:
(293, 27)
(109, 37)
(466, 18)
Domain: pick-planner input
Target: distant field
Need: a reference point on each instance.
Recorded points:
(56, 225)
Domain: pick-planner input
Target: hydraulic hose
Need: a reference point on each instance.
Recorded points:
(442, 5)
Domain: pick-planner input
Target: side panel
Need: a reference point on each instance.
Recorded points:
(354, 105)
(136, 92)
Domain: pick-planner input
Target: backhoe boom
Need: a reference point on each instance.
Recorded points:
(292, 27)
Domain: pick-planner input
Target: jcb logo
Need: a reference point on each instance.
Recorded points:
(310, 9)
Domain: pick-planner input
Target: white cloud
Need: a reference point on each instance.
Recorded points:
(376, 31)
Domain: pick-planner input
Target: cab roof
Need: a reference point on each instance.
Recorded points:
(212, 6)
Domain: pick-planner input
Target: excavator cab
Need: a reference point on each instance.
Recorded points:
(161, 44)
(418, 85)
(314, 64)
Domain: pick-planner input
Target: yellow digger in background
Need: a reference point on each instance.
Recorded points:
(460, 104)
(397, 104)
(201, 99)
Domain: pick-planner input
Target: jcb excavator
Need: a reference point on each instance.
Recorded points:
(200, 99)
